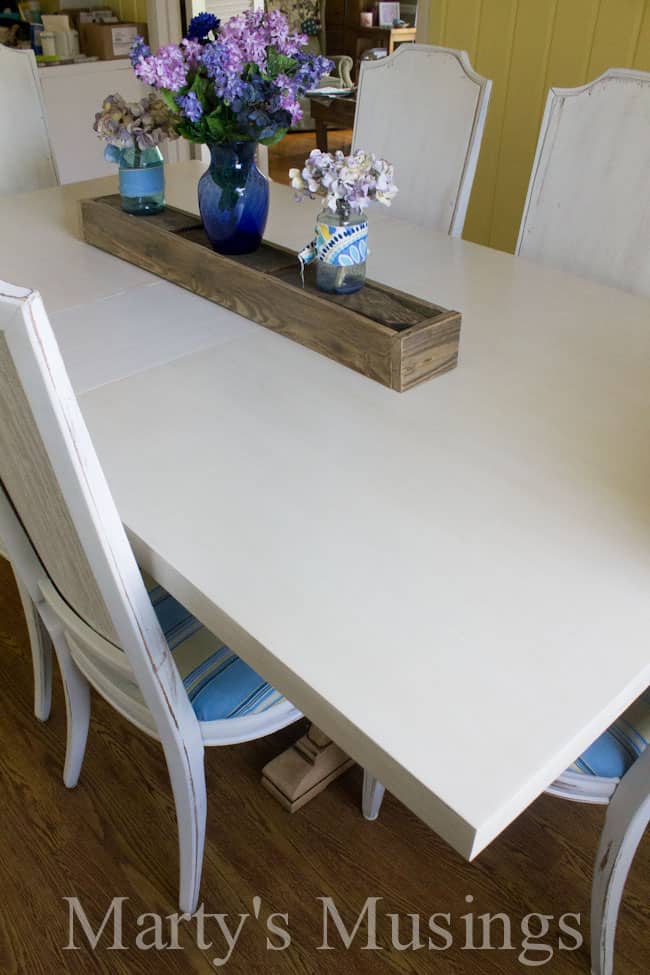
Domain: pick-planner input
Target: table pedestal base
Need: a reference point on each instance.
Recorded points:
(305, 769)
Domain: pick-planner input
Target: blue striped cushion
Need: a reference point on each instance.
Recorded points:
(218, 682)
(615, 751)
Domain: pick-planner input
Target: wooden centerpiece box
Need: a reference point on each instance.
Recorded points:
(391, 337)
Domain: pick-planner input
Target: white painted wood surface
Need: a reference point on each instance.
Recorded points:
(485, 530)
(47, 463)
(26, 159)
(424, 109)
(73, 93)
(588, 203)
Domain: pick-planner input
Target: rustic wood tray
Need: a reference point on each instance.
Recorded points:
(389, 336)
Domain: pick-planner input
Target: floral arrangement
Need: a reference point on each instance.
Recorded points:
(236, 82)
(137, 125)
(347, 182)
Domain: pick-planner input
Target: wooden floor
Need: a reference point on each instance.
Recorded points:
(114, 836)
(292, 151)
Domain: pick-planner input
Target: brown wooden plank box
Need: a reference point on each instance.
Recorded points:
(391, 337)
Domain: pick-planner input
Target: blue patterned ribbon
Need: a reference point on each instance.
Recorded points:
(342, 246)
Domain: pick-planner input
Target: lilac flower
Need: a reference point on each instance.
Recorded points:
(347, 182)
(191, 106)
(192, 51)
(201, 25)
(166, 69)
(239, 80)
(311, 69)
(139, 50)
(216, 61)
(248, 36)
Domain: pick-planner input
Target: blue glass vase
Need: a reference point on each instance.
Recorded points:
(142, 179)
(234, 198)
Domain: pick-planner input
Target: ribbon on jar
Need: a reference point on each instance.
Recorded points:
(342, 246)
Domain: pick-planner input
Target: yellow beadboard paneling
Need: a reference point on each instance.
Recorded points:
(141, 11)
(492, 60)
(462, 25)
(525, 47)
(573, 38)
(642, 54)
(526, 96)
(617, 32)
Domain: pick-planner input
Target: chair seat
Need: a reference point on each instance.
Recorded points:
(617, 749)
(218, 682)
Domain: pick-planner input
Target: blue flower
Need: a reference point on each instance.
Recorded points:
(139, 50)
(201, 25)
(215, 60)
(191, 106)
(311, 68)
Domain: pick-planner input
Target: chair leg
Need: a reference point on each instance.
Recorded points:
(187, 774)
(373, 793)
(41, 647)
(627, 817)
(77, 704)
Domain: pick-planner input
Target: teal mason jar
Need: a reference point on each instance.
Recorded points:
(142, 178)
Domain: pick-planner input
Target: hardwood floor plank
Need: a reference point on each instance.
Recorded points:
(115, 835)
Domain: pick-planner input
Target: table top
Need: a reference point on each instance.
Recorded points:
(451, 582)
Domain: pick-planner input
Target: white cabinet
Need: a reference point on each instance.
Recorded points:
(73, 93)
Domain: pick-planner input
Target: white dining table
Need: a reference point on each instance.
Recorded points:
(451, 582)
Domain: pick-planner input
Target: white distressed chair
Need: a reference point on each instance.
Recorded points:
(107, 629)
(588, 203)
(628, 796)
(26, 163)
(424, 109)
(26, 157)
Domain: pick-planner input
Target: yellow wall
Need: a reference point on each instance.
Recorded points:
(128, 10)
(526, 46)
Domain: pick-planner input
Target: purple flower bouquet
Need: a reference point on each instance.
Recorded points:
(236, 82)
(231, 86)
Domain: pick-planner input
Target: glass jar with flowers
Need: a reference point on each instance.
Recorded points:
(133, 132)
(231, 86)
(349, 184)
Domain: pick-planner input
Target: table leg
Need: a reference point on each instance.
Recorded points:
(305, 769)
(321, 135)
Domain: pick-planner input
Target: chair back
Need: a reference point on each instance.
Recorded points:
(588, 204)
(78, 559)
(26, 157)
(424, 109)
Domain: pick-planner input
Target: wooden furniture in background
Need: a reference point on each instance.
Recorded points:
(393, 338)
(85, 584)
(424, 109)
(26, 157)
(588, 203)
(387, 37)
(335, 113)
